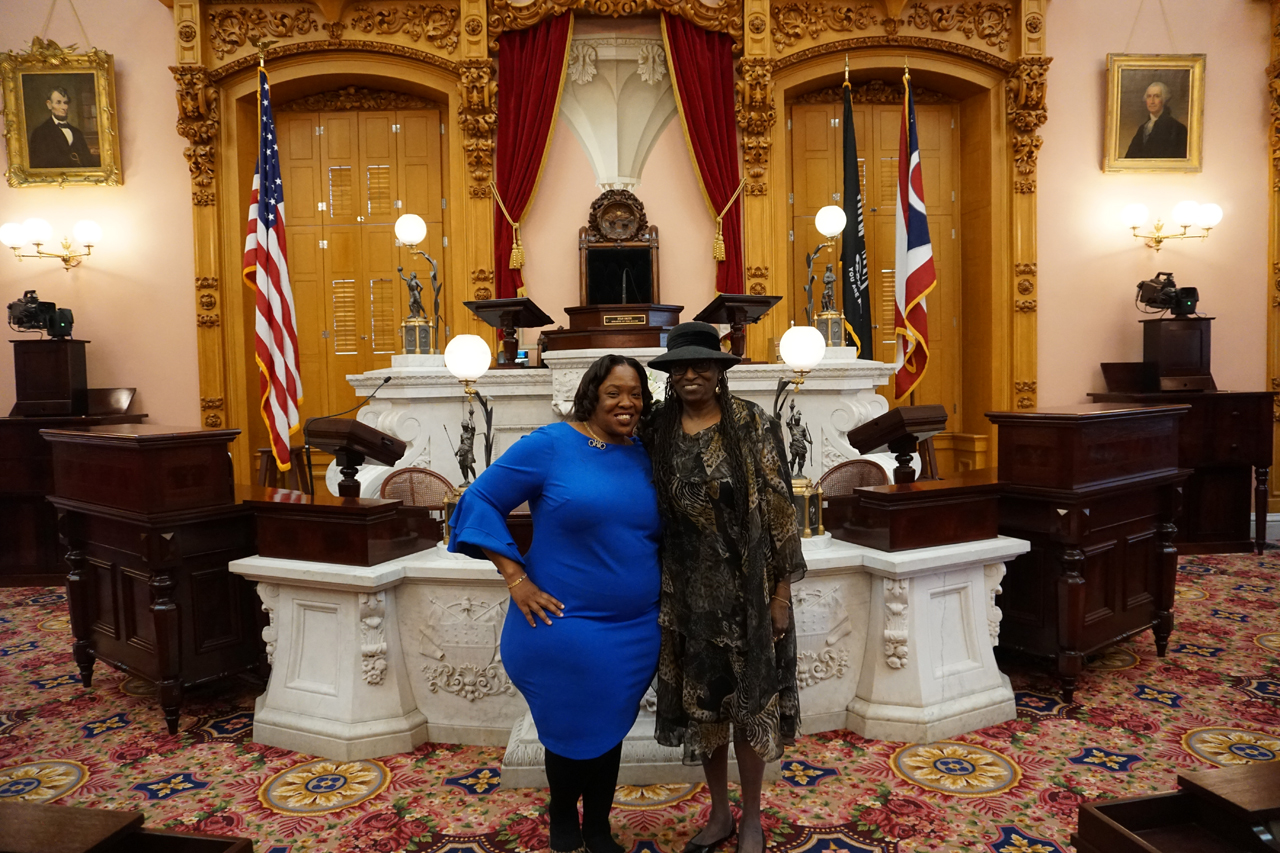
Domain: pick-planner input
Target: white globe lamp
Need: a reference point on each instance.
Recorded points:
(830, 221)
(87, 232)
(467, 357)
(411, 229)
(1185, 213)
(13, 235)
(802, 347)
(1208, 216)
(37, 231)
(1134, 215)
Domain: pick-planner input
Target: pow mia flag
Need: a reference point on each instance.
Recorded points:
(853, 256)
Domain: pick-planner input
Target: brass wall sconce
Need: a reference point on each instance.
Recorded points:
(38, 233)
(1185, 214)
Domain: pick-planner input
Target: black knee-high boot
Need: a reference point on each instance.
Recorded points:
(600, 780)
(564, 779)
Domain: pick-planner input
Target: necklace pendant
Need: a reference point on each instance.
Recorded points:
(595, 442)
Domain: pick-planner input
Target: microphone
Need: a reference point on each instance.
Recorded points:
(306, 442)
(624, 285)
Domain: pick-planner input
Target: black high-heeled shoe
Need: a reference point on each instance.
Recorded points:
(695, 847)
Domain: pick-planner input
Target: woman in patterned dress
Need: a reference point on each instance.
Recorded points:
(730, 551)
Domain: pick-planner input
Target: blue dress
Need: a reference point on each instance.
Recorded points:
(596, 534)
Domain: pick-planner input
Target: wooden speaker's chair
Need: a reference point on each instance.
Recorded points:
(420, 487)
(852, 474)
(618, 252)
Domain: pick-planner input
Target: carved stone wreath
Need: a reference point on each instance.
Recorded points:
(616, 216)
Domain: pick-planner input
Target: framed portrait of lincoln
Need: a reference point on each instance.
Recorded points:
(60, 117)
(1155, 112)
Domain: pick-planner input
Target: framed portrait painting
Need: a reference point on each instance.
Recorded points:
(1155, 112)
(60, 116)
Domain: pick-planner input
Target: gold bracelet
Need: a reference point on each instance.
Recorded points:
(783, 600)
(519, 581)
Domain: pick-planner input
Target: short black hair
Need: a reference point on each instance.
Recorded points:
(588, 394)
(61, 91)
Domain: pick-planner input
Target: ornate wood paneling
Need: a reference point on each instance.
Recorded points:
(723, 17)
(1273, 237)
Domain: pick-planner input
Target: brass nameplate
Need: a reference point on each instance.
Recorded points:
(625, 320)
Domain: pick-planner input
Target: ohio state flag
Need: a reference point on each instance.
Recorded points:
(914, 275)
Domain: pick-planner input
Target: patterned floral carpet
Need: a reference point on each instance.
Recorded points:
(1012, 788)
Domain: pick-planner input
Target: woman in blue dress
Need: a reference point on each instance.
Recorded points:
(580, 639)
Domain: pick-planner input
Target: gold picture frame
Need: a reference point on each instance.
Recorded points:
(1140, 140)
(48, 83)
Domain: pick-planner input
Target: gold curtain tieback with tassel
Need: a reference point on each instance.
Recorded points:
(517, 249)
(717, 245)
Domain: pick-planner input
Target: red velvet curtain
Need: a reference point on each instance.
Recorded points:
(702, 67)
(531, 67)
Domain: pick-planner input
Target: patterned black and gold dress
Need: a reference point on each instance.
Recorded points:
(718, 662)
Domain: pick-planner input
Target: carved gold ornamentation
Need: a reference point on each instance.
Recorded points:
(1025, 110)
(1024, 269)
(208, 321)
(757, 272)
(755, 188)
(992, 23)
(474, 26)
(232, 29)
(757, 24)
(187, 32)
(481, 282)
(1035, 24)
(435, 22)
(725, 17)
(213, 420)
(207, 403)
(313, 46)
(478, 116)
(757, 288)
(919, 42)
(1025, 387)
(202, 198)
(357, 98)
(207, 301)
(873, 92)
(1024, 305)
(198, 120)
(1025, 287)
(756, 113)
(1273, 88)
(335, 29)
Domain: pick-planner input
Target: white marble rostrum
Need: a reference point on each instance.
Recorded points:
(373, 661)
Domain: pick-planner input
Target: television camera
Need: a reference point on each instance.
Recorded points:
(29, 314)
(1162, 293)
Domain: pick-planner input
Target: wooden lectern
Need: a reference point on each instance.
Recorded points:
(351, 442)
(1095, 490)
(900, 431)
(148, 517)
(739, 310)
(509, 315)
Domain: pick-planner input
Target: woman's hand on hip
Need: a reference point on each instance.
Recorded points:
(535, 602)
(780, 615)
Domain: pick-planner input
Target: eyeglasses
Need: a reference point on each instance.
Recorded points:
(703, 367)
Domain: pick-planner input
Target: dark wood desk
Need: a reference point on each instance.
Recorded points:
(1226, 439)
(40, 828)
(1095, 490)
(148, 516)
(29, 554)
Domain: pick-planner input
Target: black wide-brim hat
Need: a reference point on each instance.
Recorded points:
(693, 342)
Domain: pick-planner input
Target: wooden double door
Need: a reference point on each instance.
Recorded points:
(817, 173)
(347, 177)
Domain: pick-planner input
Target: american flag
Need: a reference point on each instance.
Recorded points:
(914, 274)
(266, 270)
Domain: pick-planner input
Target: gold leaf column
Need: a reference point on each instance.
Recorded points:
(199, 121)
(1273, 241)
(757, 114)
(1025, 110)
(474, 132)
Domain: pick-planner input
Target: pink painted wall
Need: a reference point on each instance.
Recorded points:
(1089, 264)
(672, 200)
(135, 297)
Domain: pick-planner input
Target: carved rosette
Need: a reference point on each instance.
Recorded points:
(988, 22)
(1025, 390)
(815, 667)
(895, 621)
(993, 573)
(1025, 110)
(482, 284)
(198, 120)
(478, 117)
(270, 594)
(756, 278)
(373, 636)
(616, 215)
(756, 113)
(506, 15)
